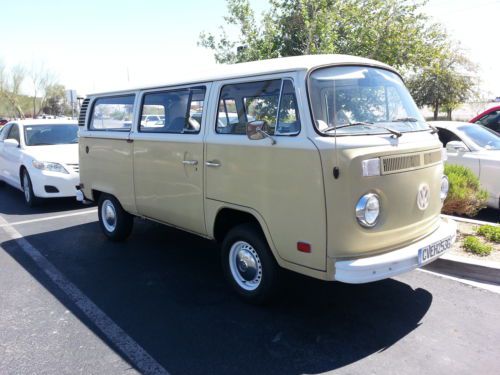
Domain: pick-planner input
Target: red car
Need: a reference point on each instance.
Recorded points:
(489, 118)
(3, 121)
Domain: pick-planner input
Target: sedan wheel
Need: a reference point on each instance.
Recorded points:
(29, 196)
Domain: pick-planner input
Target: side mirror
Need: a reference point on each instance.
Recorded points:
(11, 142)
(456, 146)
(255, 132)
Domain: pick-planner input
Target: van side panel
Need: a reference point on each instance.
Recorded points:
(107, 166)
(168, 183)
(283, 183)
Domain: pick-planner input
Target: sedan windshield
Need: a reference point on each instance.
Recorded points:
(349, 100)
(47, 134)
(481, 136)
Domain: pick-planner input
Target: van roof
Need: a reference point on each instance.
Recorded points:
(262, 67)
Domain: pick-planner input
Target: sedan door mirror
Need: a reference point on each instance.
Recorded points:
(11, 142)
(456, 146)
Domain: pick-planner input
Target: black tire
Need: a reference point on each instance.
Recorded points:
(119, 227)
(30, 198)
(256, 289)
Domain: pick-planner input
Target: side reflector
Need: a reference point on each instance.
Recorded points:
(304, 247)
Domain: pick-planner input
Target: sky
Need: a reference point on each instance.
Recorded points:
(99, 45)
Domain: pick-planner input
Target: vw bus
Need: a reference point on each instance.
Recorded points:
(321, 165)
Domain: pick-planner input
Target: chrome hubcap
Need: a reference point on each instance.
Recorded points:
(26, 188)
(245, 265)
(109, 215)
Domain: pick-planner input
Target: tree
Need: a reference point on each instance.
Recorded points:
(55, 103)
(10, 86)
(445, 83)
(392, 31)
(41, 79)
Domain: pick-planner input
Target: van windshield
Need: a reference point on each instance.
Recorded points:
(351, 100)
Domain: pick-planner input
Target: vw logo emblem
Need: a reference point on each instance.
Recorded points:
(423, 196)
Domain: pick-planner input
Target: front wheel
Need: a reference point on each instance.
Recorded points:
(29, 196)
(249, 265)
(115, 222)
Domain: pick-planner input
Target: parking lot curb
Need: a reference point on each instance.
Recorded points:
(466, 268)
(470, 269)
(472, 221)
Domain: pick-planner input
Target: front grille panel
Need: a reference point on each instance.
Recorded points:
(432, 157)
(407, 162)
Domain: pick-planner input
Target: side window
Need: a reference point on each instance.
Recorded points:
(113, 113)
(4, 131)
(242, 103)
(176, 111)
(14, 133)
(491, 120)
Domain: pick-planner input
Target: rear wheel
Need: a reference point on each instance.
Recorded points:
(115, 222)
(249, 265)
(29, 196)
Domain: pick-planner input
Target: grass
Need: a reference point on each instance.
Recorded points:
(489, 232)
(475, 246)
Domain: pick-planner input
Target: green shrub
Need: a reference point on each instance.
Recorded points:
(465, 196)
(474, 246)
(489, 232)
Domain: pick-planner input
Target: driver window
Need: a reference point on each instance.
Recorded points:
(242, 103)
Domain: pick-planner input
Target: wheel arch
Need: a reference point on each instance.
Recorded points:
(228, 217)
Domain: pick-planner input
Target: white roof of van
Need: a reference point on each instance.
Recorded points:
(261, 67)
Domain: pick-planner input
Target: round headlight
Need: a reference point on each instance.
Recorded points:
(445, 186)
(368, 210)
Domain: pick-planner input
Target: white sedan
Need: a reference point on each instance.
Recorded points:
(477, 148)
(40, 158)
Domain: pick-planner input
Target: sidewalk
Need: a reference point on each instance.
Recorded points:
(481, 270)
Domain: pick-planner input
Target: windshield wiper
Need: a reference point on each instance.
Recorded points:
(364, 123)
(360, 123)
(405, 119)
(434, 130)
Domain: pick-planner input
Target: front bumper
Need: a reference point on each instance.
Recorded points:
(64, 183)
(378, 267)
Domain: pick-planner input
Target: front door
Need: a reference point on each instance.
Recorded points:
(11, 157)
(168, 158)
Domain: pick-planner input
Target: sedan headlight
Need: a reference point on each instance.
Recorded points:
(48, 166)
(445, 186)
(368, 210)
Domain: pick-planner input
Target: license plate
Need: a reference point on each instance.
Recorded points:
(434, 250)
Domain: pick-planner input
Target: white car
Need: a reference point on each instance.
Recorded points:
(476, 147)
(40, 158)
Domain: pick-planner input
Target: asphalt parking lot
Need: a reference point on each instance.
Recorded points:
(72, 302)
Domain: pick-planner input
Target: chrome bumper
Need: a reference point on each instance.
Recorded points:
(378, 267)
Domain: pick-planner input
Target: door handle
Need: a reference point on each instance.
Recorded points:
(212, 163)
(190, 162)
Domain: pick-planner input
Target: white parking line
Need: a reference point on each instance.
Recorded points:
(92, 211)
(131, 349)
(477, 284)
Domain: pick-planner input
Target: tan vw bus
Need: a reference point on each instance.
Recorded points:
(321, 165)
